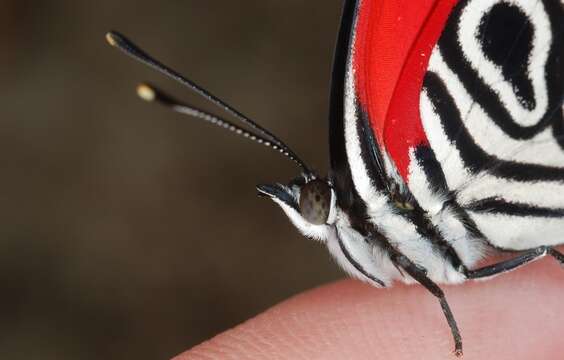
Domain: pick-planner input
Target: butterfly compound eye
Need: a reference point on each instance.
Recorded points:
(315, 201)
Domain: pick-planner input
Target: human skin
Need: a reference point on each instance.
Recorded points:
(519, 315)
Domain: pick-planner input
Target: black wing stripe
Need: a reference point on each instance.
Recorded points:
(432, 168)
(558, 128)
(370, 151)
(500, 206)
(340, 171)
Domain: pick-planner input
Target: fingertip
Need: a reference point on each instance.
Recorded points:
(514, 316)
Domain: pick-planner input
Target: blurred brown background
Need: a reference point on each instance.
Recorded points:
(128, 231)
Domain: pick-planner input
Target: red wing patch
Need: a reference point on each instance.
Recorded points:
(393, 42)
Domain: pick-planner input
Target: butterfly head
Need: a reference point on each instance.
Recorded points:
(308, 201)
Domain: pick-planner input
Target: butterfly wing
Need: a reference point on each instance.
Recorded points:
(459, 102)
(491, 109)
(370, 144)
(365, 173)
(375, 40)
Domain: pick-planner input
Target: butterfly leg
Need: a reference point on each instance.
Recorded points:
(511, 264)
(420, 275)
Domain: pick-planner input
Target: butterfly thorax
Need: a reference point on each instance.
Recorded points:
(363, 237)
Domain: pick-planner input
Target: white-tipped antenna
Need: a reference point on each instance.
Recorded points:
(119, 41)
(150, 93)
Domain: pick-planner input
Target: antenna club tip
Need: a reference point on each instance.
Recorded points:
(111, 38)
(146, 92)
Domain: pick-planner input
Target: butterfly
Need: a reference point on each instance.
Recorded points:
(446, 141)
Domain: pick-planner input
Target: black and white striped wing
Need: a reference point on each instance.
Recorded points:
(491, 108)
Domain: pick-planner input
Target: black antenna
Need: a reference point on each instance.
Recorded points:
(128, 47)
(151, 93)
